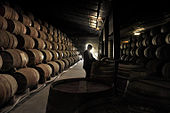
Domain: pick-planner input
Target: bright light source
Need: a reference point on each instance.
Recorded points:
(93, 21)
(138, 30)
(93, 17)
(123, 42)
(87, 45)
(97, 28)
(136, 33)
(93, 24)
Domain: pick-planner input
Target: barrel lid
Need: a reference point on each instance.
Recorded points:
(80, 85)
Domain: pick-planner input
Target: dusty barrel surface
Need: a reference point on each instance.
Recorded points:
(140, 51)
(25, 41)
(8, 12)
(13, 58)
(60, 47)
(67, 63)
(16, 27)
(47, 55)
(49, 37)
(48, 45)
(74, 92)
(25, 20)
(149, 52)
(60, 54)
(32, 32)
(35, 56)
(55, 67)
(55, 46)
(26, 78)
(158, 40)
(102, 70)
(36, 25)
(8, 88)
(45, 72)
(54, 54)
(43, 28)
(163, 53)
(8, 40)
(42, 35)
(167, 39)
(3, 23)
(62, 65)
(166, 71)
(39, 43)
(1, 62)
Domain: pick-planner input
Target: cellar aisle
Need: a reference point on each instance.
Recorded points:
(37, 103)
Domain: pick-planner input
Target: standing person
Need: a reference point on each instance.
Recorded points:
(88, 60)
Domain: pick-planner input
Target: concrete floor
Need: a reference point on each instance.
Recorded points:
(37, 102)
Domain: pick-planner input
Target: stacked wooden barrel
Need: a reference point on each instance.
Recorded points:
(150, 52)
(32, 52)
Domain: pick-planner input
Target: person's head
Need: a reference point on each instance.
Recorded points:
(89, 47)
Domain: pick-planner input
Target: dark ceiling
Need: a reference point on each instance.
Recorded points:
(75, 16)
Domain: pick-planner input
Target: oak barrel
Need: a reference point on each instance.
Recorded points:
(48, 45)
(166, 71)
(32, 32)
(158, 39)
(47, 55)
(163, 53)
(16, 27)
(7, 40)
(55, 46)
(167, 39)
(25, 20)
(26, 78)
(3, 23)
(67, 63)
(149, 52)
(55, 67)
(8, 12)
(54, 54)
(8, 88)
(1, 62)
(25, 42)
(42, 35)
(35, 56)
(72, 93)
(13, 58)
(39, 43)
(62, 65)
(36, 25)
(45, 72)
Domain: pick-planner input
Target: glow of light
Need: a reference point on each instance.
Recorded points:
(99, 19)
(97, 28)
(123, 42)
(136, 33)
(138, 30)
(93, 51)
(93, 24)
(93, 21)
(93, 17)
(87, 45)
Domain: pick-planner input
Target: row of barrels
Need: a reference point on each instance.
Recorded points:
(18, 23)
(149, 52)
(15, 58)
(9, 40)
(147, 41)
(19, 29)
(24, 78)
